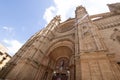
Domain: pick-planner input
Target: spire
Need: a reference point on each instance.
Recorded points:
(80, 9)
(57, 17)
(81, 15)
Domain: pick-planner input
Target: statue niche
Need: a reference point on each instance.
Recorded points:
(61, 71)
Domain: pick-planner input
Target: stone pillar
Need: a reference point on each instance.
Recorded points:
(89, 39)
(87, 48)
(72, 72)
(78, 68)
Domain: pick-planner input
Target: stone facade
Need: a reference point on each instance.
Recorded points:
(4, 57)
(82, 48)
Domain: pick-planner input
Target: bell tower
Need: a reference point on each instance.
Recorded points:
(91, 59)
(88, 38)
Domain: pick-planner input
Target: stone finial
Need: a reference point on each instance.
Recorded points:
(80, 8)
(57, 17)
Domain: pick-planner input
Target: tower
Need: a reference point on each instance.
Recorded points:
(91, 59)
(71, 50)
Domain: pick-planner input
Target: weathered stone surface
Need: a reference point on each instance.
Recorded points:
(81, 48)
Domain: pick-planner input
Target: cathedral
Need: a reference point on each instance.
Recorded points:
(86, 47)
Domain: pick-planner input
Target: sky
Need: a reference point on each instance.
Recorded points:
(20, 19)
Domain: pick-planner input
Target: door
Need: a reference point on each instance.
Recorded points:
(59, 76)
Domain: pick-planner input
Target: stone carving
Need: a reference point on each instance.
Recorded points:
(76, 49)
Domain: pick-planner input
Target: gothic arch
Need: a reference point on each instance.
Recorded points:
(59, 51)
(58, 43)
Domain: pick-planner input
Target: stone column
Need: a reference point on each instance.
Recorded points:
(72, 72)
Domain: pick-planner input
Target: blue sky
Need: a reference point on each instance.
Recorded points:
(20, 19)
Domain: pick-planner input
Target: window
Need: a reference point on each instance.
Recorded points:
(118, 63)
(4, 58)
(1, 53)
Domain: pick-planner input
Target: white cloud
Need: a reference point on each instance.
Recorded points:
(13, 46)
(96, 7)
(49, 13)
(66, 8)
(9, 29)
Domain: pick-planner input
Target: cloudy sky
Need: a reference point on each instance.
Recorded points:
(20, 19)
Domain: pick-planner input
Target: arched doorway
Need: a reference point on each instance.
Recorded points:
(62, 70)
(62, 57)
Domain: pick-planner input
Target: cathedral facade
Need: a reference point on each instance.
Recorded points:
(86, 47)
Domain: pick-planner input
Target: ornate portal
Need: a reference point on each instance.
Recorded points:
(86, 47)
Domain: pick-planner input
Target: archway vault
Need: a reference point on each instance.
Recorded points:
(61, 53)
(61, 49)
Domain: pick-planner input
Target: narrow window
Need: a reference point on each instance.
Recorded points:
(118, 63)
(1, 53)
